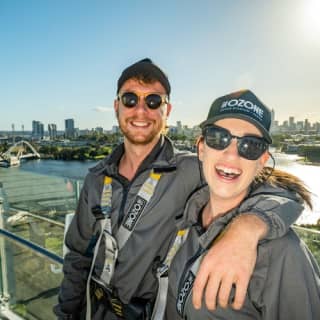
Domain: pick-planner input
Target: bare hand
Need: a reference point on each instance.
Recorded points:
(231, 260)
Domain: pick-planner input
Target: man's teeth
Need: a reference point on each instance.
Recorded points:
(140, 124)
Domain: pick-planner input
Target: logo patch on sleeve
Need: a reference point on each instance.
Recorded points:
(134, 212)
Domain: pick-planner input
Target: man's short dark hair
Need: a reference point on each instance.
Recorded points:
(146, 71)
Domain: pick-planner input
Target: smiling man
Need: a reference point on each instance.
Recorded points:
(128, 211)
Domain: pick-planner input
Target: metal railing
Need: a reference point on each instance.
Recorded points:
(312, 239)
(31, 247)
(31, 243)
(30, 277)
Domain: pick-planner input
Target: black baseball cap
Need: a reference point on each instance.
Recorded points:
(147, 71)
(243, 105)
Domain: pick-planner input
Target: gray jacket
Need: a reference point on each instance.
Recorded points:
(285, 283)
(134, 274)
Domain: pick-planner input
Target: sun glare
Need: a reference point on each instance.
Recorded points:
(312, 18)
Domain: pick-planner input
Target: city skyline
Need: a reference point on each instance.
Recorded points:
(39, 126)
(62, 59)
(289, 121)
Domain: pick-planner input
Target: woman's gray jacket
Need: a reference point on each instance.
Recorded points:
(285, 283)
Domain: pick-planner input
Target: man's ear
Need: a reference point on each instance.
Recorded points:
(200, 148)
(116, 105)
(169, 107)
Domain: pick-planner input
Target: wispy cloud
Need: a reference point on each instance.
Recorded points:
(244, 80)
(102, 109)
(177, 102)
(313, 114)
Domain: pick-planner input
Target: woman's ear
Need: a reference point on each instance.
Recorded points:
(264, 158)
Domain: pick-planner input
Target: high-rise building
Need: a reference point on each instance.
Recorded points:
(37, 129)
(300, 125)
(273, 115)
(307, 125)
(272, 124)
(52, 129)
(292, 125)
(179, 127)
(99, 130)
(285, 124)
(115, 129)
(69, 128)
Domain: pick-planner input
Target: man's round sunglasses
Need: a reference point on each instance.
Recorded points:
(249, 147)
(152, 100)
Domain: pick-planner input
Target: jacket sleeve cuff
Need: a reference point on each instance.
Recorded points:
(277, 212)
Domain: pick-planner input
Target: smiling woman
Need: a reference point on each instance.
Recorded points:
(285, 279)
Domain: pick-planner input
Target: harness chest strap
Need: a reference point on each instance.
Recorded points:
(162, 276)
(114, 243)
(186, 286)
(105, 225)
(184, 290)
(135, 211)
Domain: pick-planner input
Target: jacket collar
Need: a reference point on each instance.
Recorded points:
(194, 208)
(200, 198)
(161, 158)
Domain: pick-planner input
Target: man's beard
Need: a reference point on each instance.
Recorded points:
(144, 140)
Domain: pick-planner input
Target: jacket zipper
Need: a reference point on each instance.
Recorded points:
(123, 202)
(125, 196)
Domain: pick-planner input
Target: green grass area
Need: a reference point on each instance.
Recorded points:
(54, 244)
(312, 240)
(20, 309)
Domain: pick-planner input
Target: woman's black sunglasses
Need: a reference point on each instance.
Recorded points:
(152, 100)
(249, 147)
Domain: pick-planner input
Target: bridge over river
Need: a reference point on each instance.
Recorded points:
(20, 150)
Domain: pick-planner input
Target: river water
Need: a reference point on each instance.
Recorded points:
(78, 169)
(309, 174)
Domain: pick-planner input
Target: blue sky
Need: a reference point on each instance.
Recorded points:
(62, 58)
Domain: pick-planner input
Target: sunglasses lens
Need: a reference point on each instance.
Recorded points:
(129, 99)
(153, 101)
(251, 148)
(217, 138)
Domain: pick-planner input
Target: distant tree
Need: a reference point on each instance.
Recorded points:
(278, 140)
(93, 153)
(4, 147)
(311, 153)
(81, 153)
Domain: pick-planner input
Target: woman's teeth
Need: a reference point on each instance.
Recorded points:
(229, 173)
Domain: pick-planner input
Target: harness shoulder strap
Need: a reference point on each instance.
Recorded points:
(163, 273)
(105, 225)
(137, 208)
(114, 243)
(185, 288)
(187, 285)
